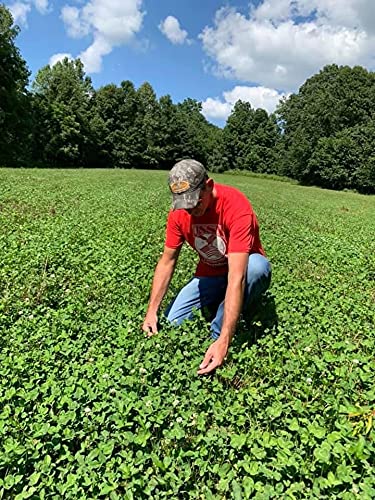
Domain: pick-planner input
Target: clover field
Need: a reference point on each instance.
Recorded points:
(90, 408)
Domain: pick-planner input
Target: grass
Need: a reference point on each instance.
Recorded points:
(89, 408)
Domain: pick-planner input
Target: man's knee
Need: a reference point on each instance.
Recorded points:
(177, 315)
(259, 268)
(183, 304)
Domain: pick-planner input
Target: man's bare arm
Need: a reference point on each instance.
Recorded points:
(160, 283)
(234, 295)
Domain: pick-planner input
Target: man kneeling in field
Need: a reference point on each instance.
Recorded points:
(220, 224)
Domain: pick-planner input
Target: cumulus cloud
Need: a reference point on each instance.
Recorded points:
(344, 13)
(258, 97)
(111, 23)
(283, 42)
(216, 109)
(76, 27)
(170, 27)
(41, 6)
(20, 10)
(93, 55)
(59, 57)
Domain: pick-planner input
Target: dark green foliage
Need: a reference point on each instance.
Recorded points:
(334, 100)
(15, 119)
(132, 128)
(217, 160)
(169, 133)
(114, 125)
(62, 132)
(147, 123)
(346, 160)
(250, 137)
(194, 132)
(90, 408)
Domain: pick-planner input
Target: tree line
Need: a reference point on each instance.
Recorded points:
(323, 135)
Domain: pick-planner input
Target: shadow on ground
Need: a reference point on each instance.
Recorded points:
(259, 320)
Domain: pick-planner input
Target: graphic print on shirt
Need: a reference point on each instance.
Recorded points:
(210, 243)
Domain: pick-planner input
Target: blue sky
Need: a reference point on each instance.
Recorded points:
(213, 51)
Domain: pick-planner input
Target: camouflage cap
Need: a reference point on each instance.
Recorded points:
(185, 182)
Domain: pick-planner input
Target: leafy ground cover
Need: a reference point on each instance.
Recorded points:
(89, 408)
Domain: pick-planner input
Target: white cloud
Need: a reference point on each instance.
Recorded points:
(93, 55)
(42, 6)
(170, 27)
(276, 11)
(19, 11)
(75, 25)
(352, 14)
(283, 42)
(111, 23)
(216, 109)
(59, 57)
(258, 97)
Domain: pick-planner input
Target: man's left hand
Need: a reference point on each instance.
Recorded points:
(214, 357)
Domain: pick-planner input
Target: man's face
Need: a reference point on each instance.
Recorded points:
(205, 198)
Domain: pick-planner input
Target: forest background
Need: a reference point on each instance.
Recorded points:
(322, 135)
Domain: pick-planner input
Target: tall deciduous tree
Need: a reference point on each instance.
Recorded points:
(250, 137)
(346, 160)
(62, 96)
(333, 100)
(14, 103)
(169, 133)
(217, 160)
(194, 132)
(114, 125)
(148, 124)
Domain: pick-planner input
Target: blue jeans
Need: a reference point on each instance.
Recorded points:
(210, 292)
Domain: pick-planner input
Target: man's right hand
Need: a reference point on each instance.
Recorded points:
(162, 277)
(150, 324)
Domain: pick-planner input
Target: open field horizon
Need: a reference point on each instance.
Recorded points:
(89, 408)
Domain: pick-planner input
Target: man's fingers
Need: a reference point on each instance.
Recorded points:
(150, 329)
(206, 360)
(151, 332)
(211, 366)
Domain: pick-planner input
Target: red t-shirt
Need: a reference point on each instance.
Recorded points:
(230, 225)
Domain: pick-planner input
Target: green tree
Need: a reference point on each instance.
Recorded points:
(148, 122)
(250, 137)
(216, 159)
(62, 96)
(14, 100)
(169, 133)
(114, 125)
(346, 160)
(333, 100)
(133, 129)
(196, 136)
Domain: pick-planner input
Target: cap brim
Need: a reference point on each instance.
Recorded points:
(185, 200)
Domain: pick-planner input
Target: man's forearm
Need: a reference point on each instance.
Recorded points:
(232, 308)
(162, 277)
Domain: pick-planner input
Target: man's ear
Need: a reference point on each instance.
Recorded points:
(209, 184)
